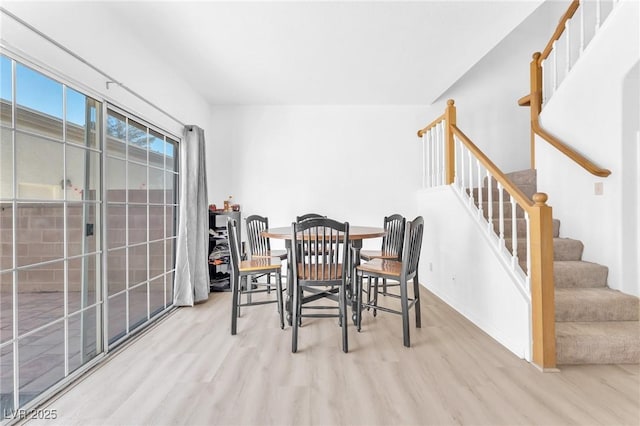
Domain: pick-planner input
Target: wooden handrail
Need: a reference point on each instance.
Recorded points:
(506, 183)
(559, 29)
(431, 125)
(580, 159)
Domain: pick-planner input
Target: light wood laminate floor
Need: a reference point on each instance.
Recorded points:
(189, 370)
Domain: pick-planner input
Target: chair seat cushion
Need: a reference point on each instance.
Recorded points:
(260, 264)
(320, 272)
(382, 267)
(377, 254)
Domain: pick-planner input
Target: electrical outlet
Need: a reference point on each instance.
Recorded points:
(598, 188)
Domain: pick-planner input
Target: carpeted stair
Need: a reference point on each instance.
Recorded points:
(594, 323)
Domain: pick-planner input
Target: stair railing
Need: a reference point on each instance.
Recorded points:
(549, 68)
(451, 158)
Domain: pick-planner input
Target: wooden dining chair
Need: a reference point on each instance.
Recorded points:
(320, 270)
(391, 248)
(403, 271)
(241, 284)
(308, 216)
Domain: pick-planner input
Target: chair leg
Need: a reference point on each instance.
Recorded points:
(358, 284)
(404, 302)
(375, 296)
(279, 297)
(345, 323)
(294, 321)
(416, 295)
(384, 286)
(234, 303)
(368, 292)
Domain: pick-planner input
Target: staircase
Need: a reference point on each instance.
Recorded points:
(594, 323)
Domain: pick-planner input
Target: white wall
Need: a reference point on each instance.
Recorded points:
(355, 163)
(595, 111)
(458, 264)
(92, 31)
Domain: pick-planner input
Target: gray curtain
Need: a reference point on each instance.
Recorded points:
(192, 269)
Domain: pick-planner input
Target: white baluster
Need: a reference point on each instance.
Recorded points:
(544, 82)
(528, 279)
(500, 216)
(462, 169)
(436, 154)
(555, 67)
(489, 203)
(598, 12)
(582, 6)
(424, 162)
(472, 198)
(567, 31)
(442, 150)
(480, 209)
(514, 233)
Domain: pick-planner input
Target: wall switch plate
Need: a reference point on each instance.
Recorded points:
(598, 188)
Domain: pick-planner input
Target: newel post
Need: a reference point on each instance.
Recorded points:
(535, 100)
(449, 159)
(542, 285)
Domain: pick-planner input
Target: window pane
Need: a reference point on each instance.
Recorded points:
(39, 234)
(6, 163)
(40, 295)
(82, 113)
(137, 264)
(82, 232)
(156, 259)
(6, 379)
(171, 152)
(156, 223)
(83, 342)
(81, 167)
(83, 280)
(137, 183)
(170, 227)
(169, 184)
(41, 361)
(156, 186)
(116, 179)
(6, 91)
(116, 225)
(6, 307)
(137, 221)
(116, 134)
(138, 142)
(6, 236)
(156, 295)
(117, 270)
(39, 168)
(117, 317)
(39, 102)
(170, 259)
(156, 149)
(137, 306)
(168, 288)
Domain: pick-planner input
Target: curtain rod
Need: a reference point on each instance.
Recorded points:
(110, 79)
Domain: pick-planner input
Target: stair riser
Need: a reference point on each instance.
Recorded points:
(563, 249)
(579, 275)
(573, 350)
(601, 310)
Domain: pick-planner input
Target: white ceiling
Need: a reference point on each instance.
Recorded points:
(319, 52)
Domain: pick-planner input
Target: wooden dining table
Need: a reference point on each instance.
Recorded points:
(356, 235)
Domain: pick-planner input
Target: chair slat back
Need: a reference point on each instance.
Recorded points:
(258, 245)
(412, 246)
(323, 246)
(234, 249)
(306, 216)
(393, 240)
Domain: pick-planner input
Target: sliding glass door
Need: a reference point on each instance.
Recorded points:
(87, 230)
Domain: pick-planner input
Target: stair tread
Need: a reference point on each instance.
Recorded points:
(599, 328)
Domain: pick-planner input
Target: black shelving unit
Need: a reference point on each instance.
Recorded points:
(219, 268)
